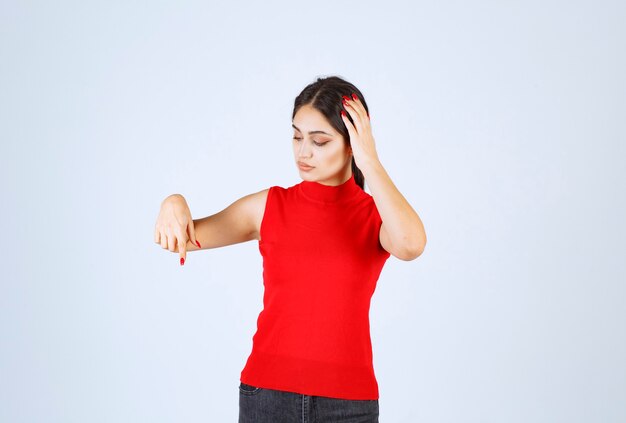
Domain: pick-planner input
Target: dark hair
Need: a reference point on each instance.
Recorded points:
(326, 95)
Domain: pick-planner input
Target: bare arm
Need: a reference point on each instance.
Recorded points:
(402, 231)
(239, 222)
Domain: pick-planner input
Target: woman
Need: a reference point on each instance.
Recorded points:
(324, 242)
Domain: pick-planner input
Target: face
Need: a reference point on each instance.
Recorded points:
(317, 144)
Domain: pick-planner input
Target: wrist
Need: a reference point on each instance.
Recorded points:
(370, 166)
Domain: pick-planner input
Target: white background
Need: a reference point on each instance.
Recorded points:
(502, 123)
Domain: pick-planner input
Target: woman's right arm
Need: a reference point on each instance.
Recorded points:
(239, 222)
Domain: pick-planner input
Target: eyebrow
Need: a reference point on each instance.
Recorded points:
(313, 132)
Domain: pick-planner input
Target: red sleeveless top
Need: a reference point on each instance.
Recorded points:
(321, 262)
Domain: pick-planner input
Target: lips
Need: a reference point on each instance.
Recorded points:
(305, 165)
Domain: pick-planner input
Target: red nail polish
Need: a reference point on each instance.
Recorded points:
(343, 113)
(345, 97)
(198, 244)
(182, 261)
(354, 96)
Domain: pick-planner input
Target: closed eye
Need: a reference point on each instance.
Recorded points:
(314, 142)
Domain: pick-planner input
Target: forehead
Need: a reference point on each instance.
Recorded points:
(308, 119)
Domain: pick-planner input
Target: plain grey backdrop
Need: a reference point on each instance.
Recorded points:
(502, 123)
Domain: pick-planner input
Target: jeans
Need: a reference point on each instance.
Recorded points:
(263, 405)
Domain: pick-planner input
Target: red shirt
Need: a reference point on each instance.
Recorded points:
(321, 262)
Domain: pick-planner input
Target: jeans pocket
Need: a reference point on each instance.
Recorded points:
(248, 389)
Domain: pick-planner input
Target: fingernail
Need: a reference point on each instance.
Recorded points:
(198, 244)
(343, 113)
(354, 96)
(345, 98)
(182, 261)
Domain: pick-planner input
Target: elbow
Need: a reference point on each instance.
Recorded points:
(416, 248)
(414, 245)
(411, 252)
(410, 247)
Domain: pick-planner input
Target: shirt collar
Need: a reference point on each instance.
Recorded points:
(330, 193)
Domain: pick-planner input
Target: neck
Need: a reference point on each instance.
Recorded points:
(322, 193)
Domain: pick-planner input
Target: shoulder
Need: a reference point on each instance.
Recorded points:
(256, 203)
(365, 199)
(260, 198)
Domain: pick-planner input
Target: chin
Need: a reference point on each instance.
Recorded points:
(306, 175)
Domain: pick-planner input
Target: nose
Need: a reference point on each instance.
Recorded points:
(304, 149)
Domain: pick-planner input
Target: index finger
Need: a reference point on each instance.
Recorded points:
(182, 246)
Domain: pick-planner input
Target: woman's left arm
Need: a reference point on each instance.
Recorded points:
(402, 231)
